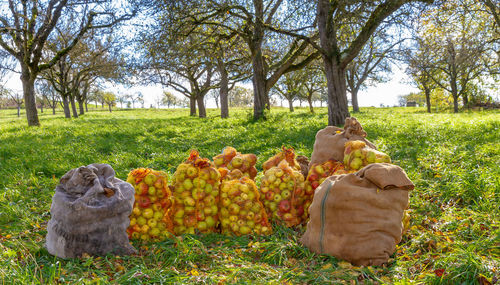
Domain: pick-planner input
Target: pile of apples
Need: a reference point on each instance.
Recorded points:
(320, 171)
(196, 194)
(283, 194)
(234, 165)
(287, 154)
(241, 211)
(150, 218)
(357, 155)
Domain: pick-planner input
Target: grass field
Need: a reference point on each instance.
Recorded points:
(453, 159)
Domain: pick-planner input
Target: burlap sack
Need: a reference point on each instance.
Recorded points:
(357, 216)
(330, 141)
(90, 213)
(304, 164)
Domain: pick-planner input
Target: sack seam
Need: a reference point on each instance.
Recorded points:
(323, 216)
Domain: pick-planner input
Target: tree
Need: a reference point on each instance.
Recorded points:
(418, 60)
(258, 23)
(455, 39)
(313, 81)
(109, 98)
(48, 94)
(18, 99)
(121, 98)
(289, 87)
(169, 99)
(338, 51)
(369, 66)
(240, 97)
(26, 26)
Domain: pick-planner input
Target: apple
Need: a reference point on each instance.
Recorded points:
(136, 211)
(149, 179)
(356, 163)
(234, 209)
(157, 216)
(188, 184)
(264, 189)
(271, 178)
(300, 210)
(224, 212)
(144, 202)
(158, 183)
(286, 194)
(250, 216)
(133, 221)
(287, 216)
(273, 206)
(190, 221)
(244, 230)
(210, 222)
(277, 198)
(233, 218)
(202, 226)
(154, 232)
(214, 209)
(226, 202)
(285, 206)
(188, 201)
(189, 210)
(270, 195)
(192, 171)
(207, 211)
(251, 224)
(152, 223)
(218, 160)
(143, 188)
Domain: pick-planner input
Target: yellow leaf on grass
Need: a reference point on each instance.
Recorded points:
(326, 266)
(345, 265)
(195, 272)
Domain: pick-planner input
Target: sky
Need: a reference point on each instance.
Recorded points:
(383, 93)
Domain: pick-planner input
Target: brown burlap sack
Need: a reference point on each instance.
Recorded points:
(357, 216)
(330, 141)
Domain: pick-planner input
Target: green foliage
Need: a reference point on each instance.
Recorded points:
(452, 159)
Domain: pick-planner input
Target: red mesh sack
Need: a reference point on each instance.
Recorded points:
(150, 218)
(196, 194)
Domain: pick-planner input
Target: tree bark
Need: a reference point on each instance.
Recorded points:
(259, 86)
(67, 113)
(290, 105)
(86, 107)
(454, 94)
(465, 99)
(337, 99)
(354, 99)
(224, 92)
(109, 105)
(41, 108)
(428, 99)
(18, 111)
(73, 106)
(80, 106)
(202, 113)
(28, 81)
(192, 106)
(309, 100)
(54, 110)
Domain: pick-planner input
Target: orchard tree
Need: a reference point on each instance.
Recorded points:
(109, 98)
(25, 27)
(313, 82)
(455, 36)
(338, 51)
(50, 96)
(289, 87)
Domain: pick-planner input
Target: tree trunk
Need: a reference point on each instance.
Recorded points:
(321, 103)
(290, 104)
(41, 108)
(102, 104)
(454, 94)
(80, 107)
(86, 107)
(54, 110)
(73, 106)
(192, 106)
(67, 113)
(260, 102)
(202, 113)
(337, 99)
(18, 111)
(354, 99)
(224, 92)
(465, 99)
(309, 100)
(428, 99)
(28, 81)
(109, 105)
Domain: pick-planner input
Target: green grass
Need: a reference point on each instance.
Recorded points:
(453, 159)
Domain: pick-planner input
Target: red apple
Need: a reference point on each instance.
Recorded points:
(285, 206)
(144, 202)
(270, 195)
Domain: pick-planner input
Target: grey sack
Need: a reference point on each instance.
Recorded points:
(90, 213)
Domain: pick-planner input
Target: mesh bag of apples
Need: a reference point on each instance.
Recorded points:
(150, 218)
(283, 190)
(358, 155)
(232, 164)
(320, 171)
(196, 195)
(241, 211)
